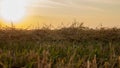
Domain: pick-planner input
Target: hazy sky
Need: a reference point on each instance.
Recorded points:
(91, 12)
(76, 7)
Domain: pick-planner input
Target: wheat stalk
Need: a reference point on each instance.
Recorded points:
(88, 64)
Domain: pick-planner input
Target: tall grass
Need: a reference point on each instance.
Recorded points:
(69, 47)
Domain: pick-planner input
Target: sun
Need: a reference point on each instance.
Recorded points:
(12, 10)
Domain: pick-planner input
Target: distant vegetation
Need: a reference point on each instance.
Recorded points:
(68, 47)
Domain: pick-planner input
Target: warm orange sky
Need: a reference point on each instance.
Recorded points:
(91, 12)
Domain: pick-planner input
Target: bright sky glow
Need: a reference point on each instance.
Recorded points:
(12, 10)
(91, 12)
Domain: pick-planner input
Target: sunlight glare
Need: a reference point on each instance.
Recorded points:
(12, 10)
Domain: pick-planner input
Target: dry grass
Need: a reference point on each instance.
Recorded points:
(69, 47)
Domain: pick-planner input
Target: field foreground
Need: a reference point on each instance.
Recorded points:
(71, 47)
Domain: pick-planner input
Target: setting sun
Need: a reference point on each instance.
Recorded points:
(12, 10)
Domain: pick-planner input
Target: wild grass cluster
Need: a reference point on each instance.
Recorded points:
(68, 47)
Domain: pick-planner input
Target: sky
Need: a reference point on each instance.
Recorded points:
(92, 12)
